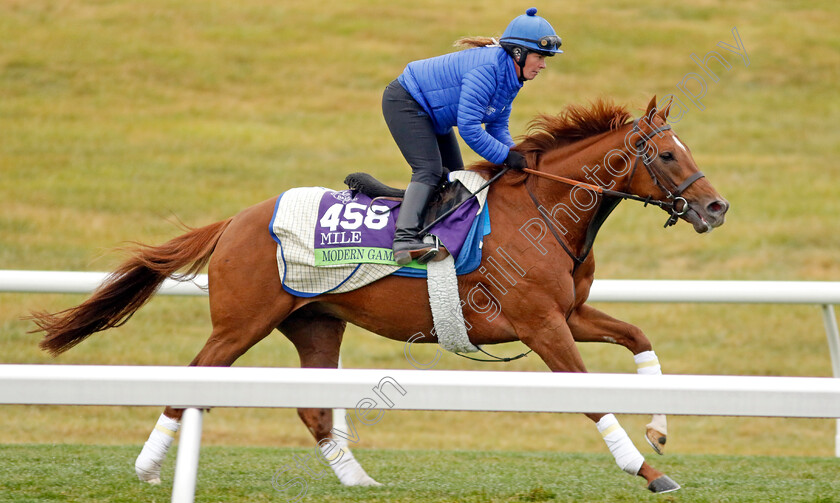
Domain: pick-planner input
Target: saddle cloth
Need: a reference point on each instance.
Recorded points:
(337, 241)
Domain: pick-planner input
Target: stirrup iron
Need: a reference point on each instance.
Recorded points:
(431, 254)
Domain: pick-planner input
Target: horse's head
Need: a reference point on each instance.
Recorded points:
(669, 173)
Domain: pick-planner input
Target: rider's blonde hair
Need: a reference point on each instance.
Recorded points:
(470, 42)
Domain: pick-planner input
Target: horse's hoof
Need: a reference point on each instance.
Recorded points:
(663, 484)
(153, 479)
(656, 440)
(361, 480)
(368, 482)
(147, 471)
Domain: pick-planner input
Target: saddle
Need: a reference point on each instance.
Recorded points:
(447, 196)
(320, 250)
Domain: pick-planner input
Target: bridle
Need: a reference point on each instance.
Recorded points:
(673, 192)
(674, 203)
(673, 196)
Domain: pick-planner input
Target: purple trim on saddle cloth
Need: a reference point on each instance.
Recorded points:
(470, 257)
(350, 229)
(294, 222)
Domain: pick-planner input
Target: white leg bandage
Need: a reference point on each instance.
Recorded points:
(345, 466)
(625, 453)
(154, 450)
(648, 364)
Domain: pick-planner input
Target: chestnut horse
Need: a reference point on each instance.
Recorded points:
(582, 163)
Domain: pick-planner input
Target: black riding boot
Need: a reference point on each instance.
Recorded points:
(408, 244)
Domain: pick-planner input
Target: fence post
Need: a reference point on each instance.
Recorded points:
(340, 418)
(186, 465)
(833, 334)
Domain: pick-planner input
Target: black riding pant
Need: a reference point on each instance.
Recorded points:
(426, 152)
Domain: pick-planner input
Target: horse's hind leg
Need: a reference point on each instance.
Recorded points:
(317, 339)
(228, 342)
(247, 303)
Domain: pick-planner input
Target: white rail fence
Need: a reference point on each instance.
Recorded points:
(194, 388)
(821, 293)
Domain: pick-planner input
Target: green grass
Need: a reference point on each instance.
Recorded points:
(117, 116)
(88, 473)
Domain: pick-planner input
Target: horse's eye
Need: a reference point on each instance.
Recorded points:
(666, 156)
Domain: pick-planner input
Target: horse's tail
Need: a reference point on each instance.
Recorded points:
(126, 289)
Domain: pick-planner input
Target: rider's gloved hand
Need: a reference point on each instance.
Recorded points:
(515, 160)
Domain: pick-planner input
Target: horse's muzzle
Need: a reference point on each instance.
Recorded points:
(707, 217)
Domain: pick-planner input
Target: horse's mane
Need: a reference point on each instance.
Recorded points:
(573, 123)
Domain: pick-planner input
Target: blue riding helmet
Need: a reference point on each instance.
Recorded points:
(532, 33)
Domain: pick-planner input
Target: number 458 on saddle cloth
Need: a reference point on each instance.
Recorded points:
(346, 237)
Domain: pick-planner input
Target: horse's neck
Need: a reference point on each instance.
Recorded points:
(584, 160)
(577, 212)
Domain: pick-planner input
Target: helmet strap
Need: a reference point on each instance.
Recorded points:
(519, 55)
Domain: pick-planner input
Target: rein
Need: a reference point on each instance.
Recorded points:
(673, 192)
(493, 358)
(673, 196)
(601, 190)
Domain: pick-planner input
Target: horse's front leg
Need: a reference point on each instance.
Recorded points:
(317, 339)
(552, 340)
(591, 325)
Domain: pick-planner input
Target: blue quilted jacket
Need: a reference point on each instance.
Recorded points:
(467, 89)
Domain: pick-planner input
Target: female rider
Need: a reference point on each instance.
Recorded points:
(467, 89)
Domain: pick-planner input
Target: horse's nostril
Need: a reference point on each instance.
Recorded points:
(717, 207)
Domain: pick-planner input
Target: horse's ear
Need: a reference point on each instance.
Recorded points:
(651, 108)
(664, 112)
